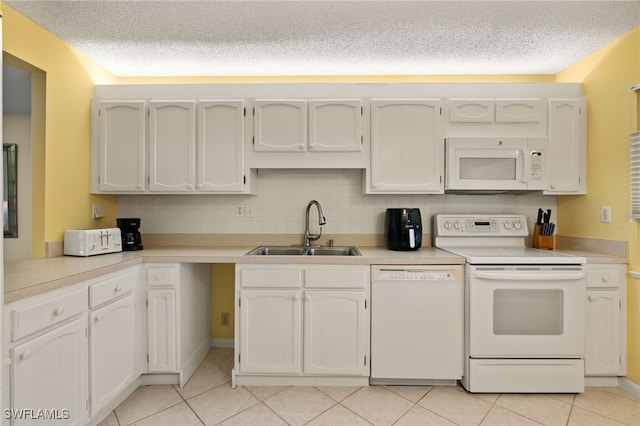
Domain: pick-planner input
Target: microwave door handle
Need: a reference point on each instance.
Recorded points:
(525, 166)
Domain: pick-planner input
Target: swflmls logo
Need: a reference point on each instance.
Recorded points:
(36, 414)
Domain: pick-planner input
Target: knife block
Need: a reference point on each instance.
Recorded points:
(544, 242)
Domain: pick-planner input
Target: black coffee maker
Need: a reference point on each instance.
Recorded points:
(130, 233)
(403, 229)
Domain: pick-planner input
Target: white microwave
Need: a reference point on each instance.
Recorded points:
(496, 164)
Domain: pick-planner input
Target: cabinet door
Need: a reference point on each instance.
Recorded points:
(566, 161)
(471, 110)
(520, 110)
(335, 125)
(172, 146)
(270, 331)
(603, 333)
(111, 351)
(407, 151)
(50, 372)
(122, 140)
(280, 125)
(335, 333)
(162, 330)
(220, 146)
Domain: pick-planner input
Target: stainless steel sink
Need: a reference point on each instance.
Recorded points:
(334, 251)
(304, 251)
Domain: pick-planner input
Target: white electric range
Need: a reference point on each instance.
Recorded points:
(524, 307)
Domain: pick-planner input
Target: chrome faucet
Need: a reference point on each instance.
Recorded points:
(308, 236)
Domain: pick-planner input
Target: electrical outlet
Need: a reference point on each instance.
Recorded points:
(244, 210)
(224, 319)
(605, 214)
(97, 211)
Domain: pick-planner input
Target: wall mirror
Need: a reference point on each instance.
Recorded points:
(10, 204)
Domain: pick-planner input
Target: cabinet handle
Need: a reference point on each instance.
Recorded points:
(554, 186)
(591, 298)
(307, 298)
(157, 277)
(117, 289)
(25, 355)
(59, 311)
(7, 362)
(605, 279)
(296, 297)
(98, 318)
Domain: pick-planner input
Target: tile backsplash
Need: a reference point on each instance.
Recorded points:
(282, 196)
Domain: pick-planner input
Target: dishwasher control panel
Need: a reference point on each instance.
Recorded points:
(417, 274)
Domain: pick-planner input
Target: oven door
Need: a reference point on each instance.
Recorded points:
(486, 164)
(525, 311)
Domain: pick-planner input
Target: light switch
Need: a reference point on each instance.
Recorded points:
(605, 214)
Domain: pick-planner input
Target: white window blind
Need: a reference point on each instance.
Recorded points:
(634, 145)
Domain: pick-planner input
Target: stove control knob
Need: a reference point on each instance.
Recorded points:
(517, 225)
(507, 225)
(447, 225)
(457, 225)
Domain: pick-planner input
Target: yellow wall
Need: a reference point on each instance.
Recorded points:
(63, 167)
(612, 115)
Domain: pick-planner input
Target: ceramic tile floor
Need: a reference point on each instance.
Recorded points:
(208, 399)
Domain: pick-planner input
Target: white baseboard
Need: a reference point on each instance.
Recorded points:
(222, 343)
(630, 387)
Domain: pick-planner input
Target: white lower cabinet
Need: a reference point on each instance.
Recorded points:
(270, 331)
(334, 333)
(161, 323)
(112, 350)
(297, 322)
(45, 359)
(178, 318)
(49, 373)
(606, 320)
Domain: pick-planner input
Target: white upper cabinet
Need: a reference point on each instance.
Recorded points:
(471, 111)
(308, 133)
(496, 117)
(169, 146)
(567, 155)
(520, 111)
(280, 125)
(122, 146)
(221, 146)
(407, 148)
(297, 125)
(335, 125)
(172, 127)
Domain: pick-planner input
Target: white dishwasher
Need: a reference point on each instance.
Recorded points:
(416, 324)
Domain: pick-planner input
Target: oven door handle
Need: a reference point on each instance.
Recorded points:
(529, 275)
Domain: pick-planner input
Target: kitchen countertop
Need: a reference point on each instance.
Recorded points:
(30, 277)
(25, 278)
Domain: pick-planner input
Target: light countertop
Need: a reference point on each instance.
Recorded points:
(30, 277)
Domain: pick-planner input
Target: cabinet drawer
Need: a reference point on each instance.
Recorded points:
(271, 277)
(111, 288)
(162, 275)
(605, 277)
(39, 316)
(336, 278)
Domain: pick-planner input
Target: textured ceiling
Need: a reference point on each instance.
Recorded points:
(214, 38)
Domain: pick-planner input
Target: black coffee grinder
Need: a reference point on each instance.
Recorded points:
(130, 233)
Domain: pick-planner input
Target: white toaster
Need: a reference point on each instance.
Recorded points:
(92, 241)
